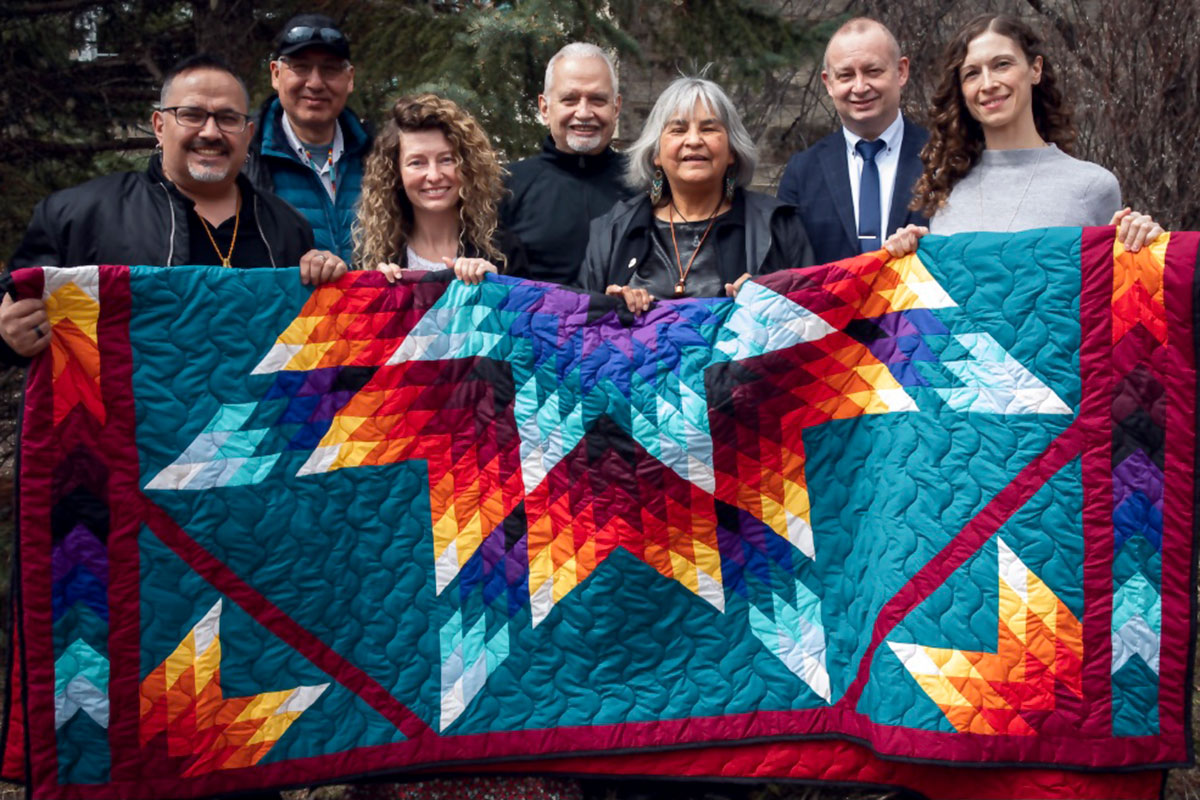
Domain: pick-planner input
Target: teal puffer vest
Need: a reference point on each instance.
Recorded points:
(290, 178)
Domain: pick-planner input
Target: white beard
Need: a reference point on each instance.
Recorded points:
(583, 144)
(207, 174)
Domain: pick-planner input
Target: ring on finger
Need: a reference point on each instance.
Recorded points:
(40, 331)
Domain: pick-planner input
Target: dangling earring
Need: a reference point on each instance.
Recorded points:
(656, 187)
(730, 184)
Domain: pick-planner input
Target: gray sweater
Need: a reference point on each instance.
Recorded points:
(1016, 190)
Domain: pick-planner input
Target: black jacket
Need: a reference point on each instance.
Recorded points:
(140, 218)
(554, 197)
(137, 218)
(759, 235)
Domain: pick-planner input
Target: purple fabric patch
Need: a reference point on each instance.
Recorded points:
(80, 546)
(1137, 473)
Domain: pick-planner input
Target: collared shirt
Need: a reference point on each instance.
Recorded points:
(328, 168)
(888, 161)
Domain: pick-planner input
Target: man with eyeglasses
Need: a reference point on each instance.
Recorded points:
(309, 148)
(190, 206)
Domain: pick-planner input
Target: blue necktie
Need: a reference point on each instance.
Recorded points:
(869, 225)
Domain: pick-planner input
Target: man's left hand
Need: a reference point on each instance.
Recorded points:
(320, 266)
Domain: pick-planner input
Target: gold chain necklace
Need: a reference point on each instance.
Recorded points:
(237, 214)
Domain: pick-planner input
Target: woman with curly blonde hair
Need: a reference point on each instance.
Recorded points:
(431, 189)
(998, 156)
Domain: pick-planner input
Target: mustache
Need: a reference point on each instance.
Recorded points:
(202, 142)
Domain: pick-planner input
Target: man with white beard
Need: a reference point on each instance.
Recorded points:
(190, 206)
(577, 176)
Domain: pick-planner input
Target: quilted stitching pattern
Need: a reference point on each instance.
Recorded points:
(445, 522)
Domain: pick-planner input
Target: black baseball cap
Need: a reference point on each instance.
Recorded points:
(311, 30)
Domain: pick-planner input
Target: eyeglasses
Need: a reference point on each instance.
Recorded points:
(193, 117)
(305, 33)
(329, 70)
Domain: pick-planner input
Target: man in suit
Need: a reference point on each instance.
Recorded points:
(876, 154)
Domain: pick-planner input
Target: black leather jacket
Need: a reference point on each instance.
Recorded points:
(137, 218)
(140, 218)
(759, 235)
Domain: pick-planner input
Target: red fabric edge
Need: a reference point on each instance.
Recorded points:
(833, 761)
(651, 734)
(33, 525)
(1179, 492)
(13, 768)
(1095, 417)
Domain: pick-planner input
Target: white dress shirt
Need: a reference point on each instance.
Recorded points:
(888, 161)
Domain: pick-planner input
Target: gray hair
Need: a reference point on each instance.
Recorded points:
(579, 50)
(679, 99)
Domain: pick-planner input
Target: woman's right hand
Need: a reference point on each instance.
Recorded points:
(904, 241)
(390, 271)
(1135, 229)
(638, 300)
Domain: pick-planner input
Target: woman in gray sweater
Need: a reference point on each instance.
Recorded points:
(998, 157)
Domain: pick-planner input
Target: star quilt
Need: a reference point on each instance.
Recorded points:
(921, 522)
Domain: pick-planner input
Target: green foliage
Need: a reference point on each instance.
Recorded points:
(491, 58)
(68, 116)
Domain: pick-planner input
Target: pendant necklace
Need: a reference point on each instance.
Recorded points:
(680, 285)
(1028, 183)
(225, 257)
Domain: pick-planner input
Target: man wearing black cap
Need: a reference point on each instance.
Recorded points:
(309, 148)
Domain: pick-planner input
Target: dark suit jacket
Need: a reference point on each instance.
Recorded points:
(817, 181)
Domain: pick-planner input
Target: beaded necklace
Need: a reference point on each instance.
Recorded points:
(308, 159)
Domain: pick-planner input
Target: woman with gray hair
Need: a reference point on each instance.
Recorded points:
(694, 230)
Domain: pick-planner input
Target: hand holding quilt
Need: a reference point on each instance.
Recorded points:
(939, 505)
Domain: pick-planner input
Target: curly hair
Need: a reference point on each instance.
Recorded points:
(956, 139)
(385, 214)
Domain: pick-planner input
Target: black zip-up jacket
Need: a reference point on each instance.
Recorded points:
(140, 218)
(554, 197)
(759, 235)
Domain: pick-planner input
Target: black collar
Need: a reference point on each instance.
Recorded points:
(579, 163)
